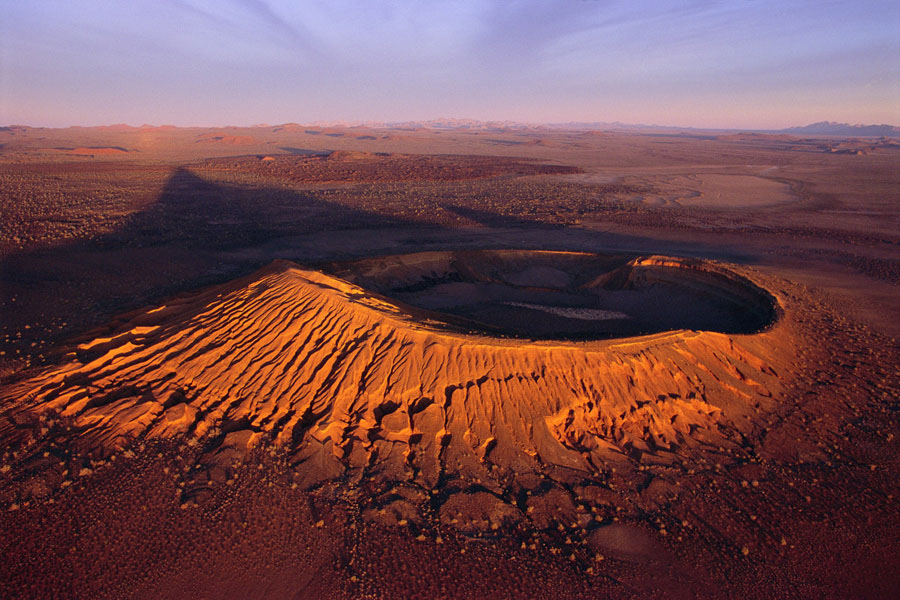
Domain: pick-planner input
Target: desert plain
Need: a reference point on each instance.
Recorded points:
(448, 362)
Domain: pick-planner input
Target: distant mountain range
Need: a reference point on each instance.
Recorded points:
(822, 128)
(831, 128)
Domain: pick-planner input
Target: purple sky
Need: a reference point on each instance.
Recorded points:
(749, 63)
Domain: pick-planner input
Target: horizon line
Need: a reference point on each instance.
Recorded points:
(463, 122)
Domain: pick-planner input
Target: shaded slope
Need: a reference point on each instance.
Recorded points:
(566, 295)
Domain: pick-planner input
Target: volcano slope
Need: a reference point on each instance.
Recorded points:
(371, 424)
(348, 381)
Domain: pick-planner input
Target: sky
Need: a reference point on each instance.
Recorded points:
(761, 64)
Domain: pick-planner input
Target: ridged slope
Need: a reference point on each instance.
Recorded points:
(345, 380)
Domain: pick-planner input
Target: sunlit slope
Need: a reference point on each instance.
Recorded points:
(349, 382)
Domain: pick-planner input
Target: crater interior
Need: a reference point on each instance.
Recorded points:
(565, 295)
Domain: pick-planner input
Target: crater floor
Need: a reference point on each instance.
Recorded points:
(566, 295)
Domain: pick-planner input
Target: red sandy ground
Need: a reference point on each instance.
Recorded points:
(801, 503)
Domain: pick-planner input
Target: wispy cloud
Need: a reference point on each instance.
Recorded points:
(760, 61)
(292, 31)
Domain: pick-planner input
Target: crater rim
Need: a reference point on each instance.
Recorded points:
(564, 296)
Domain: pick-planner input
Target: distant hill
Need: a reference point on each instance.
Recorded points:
(822, 128)
(830, 128)
(466, 124)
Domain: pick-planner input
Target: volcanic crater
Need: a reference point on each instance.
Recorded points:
(546, 295)
(400, 372)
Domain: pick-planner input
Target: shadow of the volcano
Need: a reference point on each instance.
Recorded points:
(193, 212)
(200, 233)
(186, 239)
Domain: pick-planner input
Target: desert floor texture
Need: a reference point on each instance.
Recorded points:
(305, 362)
